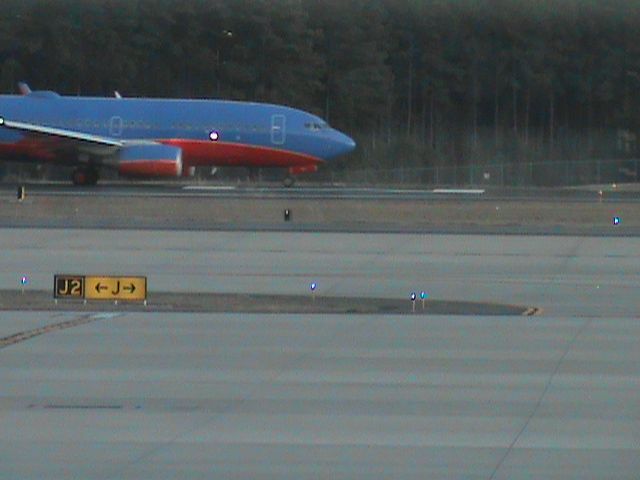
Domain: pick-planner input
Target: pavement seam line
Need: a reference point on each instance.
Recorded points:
(568, 348)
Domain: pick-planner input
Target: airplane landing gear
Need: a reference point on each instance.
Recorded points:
(84, 176)
(289, 180)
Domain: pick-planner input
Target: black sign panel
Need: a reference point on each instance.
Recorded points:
(68, 286)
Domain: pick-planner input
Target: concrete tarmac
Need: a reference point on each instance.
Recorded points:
(563, 275)
(218, 395)
(624, 192)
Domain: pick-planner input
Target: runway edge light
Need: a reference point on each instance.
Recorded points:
(616, 220)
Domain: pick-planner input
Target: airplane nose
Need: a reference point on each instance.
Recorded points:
(334, 144)
(347, 144)
(350, 144)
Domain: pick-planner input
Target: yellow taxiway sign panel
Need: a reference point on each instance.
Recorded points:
(115, 288)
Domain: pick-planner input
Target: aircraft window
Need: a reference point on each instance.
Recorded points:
(313, 126)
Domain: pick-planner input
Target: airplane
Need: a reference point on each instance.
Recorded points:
(161, 137)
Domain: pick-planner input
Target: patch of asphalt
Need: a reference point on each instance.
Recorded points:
(242, 303)
(385, 215)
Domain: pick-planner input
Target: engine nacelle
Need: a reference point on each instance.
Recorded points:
(150, 161)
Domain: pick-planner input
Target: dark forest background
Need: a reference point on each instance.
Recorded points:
(417, 83)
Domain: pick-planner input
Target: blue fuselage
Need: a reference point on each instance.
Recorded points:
(210, 132)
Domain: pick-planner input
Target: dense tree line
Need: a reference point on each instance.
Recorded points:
(417, 82)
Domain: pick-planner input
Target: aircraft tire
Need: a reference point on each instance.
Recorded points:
(84, 176)
(93, 176)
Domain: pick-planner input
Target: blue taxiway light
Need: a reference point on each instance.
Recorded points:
(423, 295)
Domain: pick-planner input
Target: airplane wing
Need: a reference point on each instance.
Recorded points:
(58, 139)
(129, 157)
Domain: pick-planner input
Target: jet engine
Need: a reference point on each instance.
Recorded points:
(152, 160)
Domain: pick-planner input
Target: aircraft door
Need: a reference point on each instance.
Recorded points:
(115, 126)
(278, 129)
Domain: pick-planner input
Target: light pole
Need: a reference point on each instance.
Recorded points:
(225, 34)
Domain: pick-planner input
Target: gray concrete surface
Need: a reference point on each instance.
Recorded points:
(563, 275)
(247, 396)
(172, 395)
(628, 192)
